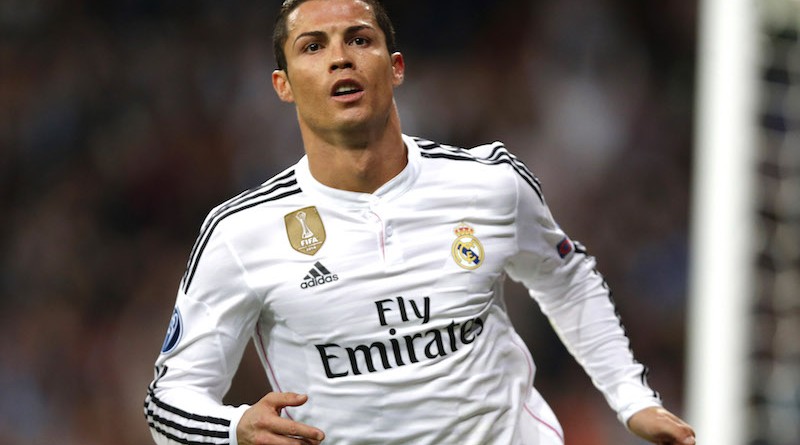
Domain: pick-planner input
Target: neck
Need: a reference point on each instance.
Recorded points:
(360, 160)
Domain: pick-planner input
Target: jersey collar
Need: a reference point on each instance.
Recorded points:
(392, 189)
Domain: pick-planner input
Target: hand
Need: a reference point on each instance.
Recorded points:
(261, 424)
(661, 427)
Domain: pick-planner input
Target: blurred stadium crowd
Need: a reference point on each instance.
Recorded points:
(122, 123)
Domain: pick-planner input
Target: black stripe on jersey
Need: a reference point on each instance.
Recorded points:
(154, 424)
(268, 192)
(247, 194)
(161, 424)
(185, 414)
(581, 249)
(499, 155)
(177, 439)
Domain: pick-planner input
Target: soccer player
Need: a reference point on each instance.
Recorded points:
(369, 277)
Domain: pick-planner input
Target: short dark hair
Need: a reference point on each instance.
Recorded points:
(281, 32)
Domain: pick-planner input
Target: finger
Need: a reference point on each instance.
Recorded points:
(306, 441)
(268, 436)
(275, 439)
(677, 432)
(682, 432)
(279, 400)
(661, 427)
(290, 428)
(689, 440)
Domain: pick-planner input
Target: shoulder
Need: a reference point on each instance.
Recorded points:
(234, 217)
(491, 155)
(271, 193)
(436, 150)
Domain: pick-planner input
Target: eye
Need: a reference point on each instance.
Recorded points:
(312, 47)
(359, 41)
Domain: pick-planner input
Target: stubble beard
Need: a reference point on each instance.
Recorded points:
(355, 133)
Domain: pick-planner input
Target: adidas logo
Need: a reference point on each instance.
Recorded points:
(317, 276)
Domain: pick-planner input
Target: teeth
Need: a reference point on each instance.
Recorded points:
(344, 89)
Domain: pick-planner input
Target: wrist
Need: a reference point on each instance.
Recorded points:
(235, 418)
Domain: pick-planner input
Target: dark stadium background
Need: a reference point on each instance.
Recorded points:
(122, 123)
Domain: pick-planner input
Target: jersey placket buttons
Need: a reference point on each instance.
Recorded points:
(391, 252)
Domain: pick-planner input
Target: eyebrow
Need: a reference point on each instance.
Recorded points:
(356, 28)
(349, 31)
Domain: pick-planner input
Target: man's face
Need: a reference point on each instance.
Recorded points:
(339, 72)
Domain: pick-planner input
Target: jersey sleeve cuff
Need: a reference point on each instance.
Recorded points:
(235, 418)
(625, 414)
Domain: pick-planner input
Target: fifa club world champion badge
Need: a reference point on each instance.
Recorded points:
(305, 230)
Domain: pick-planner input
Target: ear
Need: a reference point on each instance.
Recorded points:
(280, 82)
(398, 69)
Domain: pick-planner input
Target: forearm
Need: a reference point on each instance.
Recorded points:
(586, 321)
(181, 415)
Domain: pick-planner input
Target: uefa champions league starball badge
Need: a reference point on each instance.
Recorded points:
(467, 249)
(174, 332)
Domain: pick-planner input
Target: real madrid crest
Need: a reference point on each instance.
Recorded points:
(467, 249)
(305, 230)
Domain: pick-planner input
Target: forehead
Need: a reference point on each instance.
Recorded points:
(321, 15)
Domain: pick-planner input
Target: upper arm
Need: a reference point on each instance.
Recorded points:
(216, 312)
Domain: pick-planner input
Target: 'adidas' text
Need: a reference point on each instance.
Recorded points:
(317, 276)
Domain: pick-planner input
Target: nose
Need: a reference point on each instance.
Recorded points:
(340, 58)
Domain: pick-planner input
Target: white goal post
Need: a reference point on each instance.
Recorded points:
(722, 219)
(743, 364)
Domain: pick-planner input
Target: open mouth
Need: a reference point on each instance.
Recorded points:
(345, 88)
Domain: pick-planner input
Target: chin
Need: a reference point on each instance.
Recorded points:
(355, 123)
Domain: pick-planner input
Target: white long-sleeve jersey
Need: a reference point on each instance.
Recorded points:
(387, 308)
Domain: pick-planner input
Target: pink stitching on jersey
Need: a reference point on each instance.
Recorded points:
(527, 360)
(530, 382)
(552, 428)
(269, 365)
(382, 235)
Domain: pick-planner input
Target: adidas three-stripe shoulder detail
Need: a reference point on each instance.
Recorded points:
(498, 155)
(279, 187)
